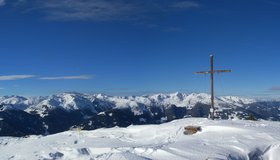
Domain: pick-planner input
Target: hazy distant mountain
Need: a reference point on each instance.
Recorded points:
(21, 116)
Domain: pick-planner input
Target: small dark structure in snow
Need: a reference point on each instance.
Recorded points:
(190, 130)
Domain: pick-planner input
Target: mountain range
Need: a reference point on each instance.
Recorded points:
(22, 116)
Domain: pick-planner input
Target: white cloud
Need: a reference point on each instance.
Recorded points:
(186, 4)
(104, 10)
(2, 3)
(15, 77)
(69, 10)
(81, 77)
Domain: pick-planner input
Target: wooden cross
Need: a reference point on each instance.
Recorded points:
(211, 72)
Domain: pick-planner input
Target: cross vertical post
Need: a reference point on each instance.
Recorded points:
(212, 86)
(211, 72)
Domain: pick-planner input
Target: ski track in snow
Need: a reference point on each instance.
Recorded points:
(219, 139)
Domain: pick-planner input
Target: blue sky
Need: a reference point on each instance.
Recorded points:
(125, 47)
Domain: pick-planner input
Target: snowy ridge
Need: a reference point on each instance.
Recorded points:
(190, 100)
(22, 116)
(230, 139)
(79, 101)
(67, 101)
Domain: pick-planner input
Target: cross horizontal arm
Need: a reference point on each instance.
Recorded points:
(202, 72)
(221, 71)
(209, 72)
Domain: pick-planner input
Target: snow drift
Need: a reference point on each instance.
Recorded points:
(219, 139)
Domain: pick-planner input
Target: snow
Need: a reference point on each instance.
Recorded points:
(77, 101)
(67, 101)
(219, 139)
(272, 152)
(190, 100)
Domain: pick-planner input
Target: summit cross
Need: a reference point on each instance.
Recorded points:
(212, 72)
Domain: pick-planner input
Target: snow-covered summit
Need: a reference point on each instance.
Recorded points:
(221, 139)
(77, 101)
(190, 100)
(66, 101)
(57, 113)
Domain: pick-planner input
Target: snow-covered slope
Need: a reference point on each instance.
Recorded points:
(67, 101)
(220, 139)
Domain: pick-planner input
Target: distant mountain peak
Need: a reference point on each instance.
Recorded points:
(59, 112)
(76, 101)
